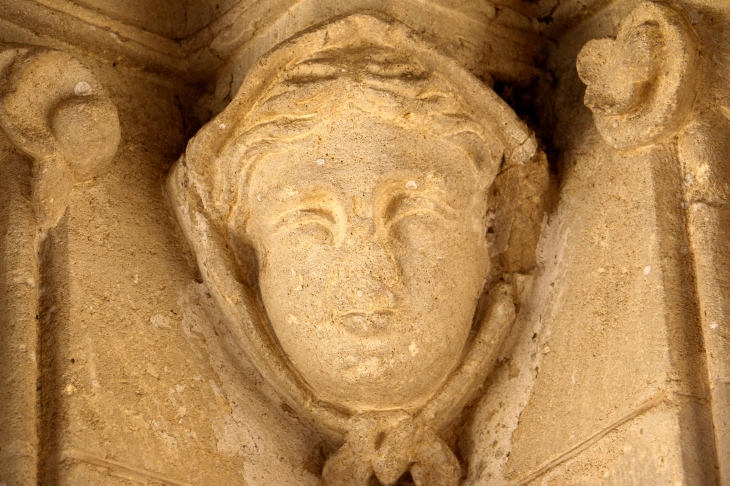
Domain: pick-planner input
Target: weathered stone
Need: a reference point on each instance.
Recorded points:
(432, 242)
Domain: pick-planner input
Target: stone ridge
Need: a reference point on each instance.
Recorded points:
(483, 28)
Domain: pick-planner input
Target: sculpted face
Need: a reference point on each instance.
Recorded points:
(358, 165)
(371, 244)
(348, 190)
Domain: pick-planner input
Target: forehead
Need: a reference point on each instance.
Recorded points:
(356, 154)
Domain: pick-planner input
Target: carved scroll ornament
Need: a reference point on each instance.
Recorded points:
(641, 86)
(55, 110)
(645, 90)
(341, 210)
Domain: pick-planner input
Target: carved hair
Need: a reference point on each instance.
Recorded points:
(281, 103)
(371, 81)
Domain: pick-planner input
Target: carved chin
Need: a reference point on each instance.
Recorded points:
(382, 381)
(371, 361)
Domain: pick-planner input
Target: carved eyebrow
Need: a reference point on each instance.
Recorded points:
(304, 215)
(404, 204)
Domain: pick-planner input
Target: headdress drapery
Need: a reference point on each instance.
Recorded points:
(203, 211)
(191, 181)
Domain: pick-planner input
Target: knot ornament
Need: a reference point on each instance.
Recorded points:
(387, 445)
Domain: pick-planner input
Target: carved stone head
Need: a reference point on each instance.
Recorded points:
(342, 210)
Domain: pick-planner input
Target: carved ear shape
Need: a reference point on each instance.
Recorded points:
(640, 86)
(619, 74)
(86, 129)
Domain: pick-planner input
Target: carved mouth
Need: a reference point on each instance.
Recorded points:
(366, 324)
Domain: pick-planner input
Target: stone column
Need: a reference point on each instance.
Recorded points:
(60, 129)
(657, 88)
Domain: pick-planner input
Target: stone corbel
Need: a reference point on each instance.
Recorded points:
(60, 129)
(645, 91)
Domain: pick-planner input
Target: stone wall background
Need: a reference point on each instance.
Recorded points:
(606, 381)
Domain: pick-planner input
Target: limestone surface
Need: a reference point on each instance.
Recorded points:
(362, 243)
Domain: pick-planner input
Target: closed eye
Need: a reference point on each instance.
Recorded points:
(406, 204)
(304, 216)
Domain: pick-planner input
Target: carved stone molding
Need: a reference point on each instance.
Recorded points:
(53, 111)
(360, 271)
(56, 111)
(641, 86)
(646, 90)
(470, 31)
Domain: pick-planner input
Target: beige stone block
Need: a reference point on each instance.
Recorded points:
(554, 310)
(644, 451)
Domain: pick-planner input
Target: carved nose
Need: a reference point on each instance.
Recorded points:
(371, 269)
